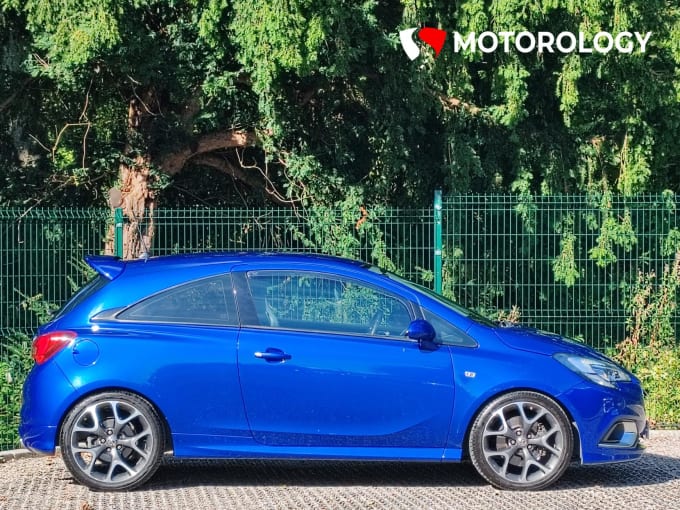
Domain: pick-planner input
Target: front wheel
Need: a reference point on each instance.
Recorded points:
(112, 441)
(522, 440)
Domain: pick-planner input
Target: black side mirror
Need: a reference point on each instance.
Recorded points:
(424, 333)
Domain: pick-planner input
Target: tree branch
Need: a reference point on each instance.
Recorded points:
(224, 165)
(173, 163)
(453, 103)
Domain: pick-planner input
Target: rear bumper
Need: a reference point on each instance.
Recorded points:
(46, 395)
(40, 440)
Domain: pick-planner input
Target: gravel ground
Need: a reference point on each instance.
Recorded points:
(652, 482)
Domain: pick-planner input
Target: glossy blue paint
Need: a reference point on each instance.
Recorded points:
(108, 267)
(345, 390)
(243, 390)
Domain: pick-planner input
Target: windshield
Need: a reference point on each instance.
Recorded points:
(440, 299)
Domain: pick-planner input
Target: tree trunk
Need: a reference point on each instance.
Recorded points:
(138, 207)
(138, 200)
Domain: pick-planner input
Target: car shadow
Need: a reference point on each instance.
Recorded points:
(652, 469)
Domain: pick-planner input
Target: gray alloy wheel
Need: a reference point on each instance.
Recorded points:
(522, 441)
(112, 441)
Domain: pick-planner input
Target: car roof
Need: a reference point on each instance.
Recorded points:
(110, 266)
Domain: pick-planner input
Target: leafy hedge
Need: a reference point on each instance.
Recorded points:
(15, 364)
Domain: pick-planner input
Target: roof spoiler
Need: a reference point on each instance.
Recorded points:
(106, 265)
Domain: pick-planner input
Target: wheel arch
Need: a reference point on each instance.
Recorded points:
(168, 445)
(576, 453)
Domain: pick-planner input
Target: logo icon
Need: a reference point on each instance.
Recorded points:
(433, 37)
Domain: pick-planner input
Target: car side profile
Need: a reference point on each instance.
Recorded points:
(255, 355)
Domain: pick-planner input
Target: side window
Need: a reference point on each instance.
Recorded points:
(447, 333)
(207, 301)
(319, 302)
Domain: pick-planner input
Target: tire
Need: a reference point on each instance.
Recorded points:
(112, 441)
(521, 441)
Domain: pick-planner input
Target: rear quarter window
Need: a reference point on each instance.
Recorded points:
(90, 288)
(208, 301)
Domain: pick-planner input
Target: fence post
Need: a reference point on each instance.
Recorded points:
(118, 232)
(438, 241)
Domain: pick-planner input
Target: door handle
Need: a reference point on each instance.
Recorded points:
(272, 354)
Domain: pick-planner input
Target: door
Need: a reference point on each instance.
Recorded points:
(323, 362)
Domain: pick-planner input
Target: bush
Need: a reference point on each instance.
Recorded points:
(15, 364)
(650, 349)
(660, 378)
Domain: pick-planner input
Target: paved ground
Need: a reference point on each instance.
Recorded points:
(652, 482)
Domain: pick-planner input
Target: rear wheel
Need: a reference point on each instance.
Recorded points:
(112, 441)
(522, 441)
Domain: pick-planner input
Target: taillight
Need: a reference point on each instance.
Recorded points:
(47, 345)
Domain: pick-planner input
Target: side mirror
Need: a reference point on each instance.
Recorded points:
(424, 333)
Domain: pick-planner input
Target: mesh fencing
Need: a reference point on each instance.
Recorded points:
(567, 264)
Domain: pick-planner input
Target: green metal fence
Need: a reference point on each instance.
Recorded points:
(546, 257)
(501, 252)
(41, 253)
(41, 250)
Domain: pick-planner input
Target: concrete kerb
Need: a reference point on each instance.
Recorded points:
(20, 453)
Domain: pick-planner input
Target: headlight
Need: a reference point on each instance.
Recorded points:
(604, 373)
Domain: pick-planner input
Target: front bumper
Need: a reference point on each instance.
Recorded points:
(624, 434)
(610, 422)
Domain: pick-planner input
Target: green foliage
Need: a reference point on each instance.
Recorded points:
(525, 204)
(651, 308)
(15, 364)
(42, 309)
(294, 35)
(564, 266)
(452, 270)
(336, 104)
(512, 82)
(650, 349)
(671, 244)
(612, 233)
(659, 373)
(567, 84)
(71, 33)
(346, 230)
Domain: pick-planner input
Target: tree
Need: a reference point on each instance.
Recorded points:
(133, 85)
(311, 104)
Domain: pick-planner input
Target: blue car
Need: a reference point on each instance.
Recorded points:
(242, 355)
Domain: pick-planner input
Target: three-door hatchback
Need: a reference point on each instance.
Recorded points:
(305, 356)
